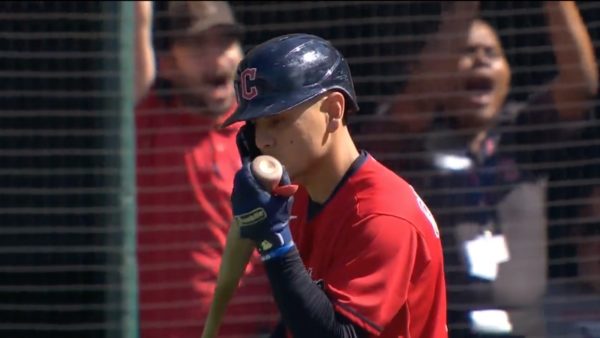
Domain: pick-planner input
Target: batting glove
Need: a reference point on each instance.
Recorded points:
(262, 216)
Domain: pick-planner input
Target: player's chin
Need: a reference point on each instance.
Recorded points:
(289, 168)
(295, 176)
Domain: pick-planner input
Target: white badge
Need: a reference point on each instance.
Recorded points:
(484, 253)
(490, 321)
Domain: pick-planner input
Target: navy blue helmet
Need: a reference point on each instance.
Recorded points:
(287, 71)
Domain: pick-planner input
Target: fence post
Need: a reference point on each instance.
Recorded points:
(122, 292)
(128, 172)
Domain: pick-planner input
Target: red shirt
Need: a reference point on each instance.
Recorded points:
(376, 248)
(186, 167)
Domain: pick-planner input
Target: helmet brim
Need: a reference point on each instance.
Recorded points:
(270, 106)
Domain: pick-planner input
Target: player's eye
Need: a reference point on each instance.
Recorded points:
(275, 121)
(278, 122)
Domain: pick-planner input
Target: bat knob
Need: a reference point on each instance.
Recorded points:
(267, 171)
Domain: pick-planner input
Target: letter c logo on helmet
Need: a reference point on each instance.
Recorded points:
(248, 92)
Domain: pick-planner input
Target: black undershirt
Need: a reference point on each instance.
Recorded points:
(305, 309)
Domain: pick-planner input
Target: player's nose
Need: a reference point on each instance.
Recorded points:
(264, 140)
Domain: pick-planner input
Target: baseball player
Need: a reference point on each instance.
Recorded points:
(355, 252)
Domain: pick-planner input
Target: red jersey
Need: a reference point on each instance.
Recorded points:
(185, 172)
(376, 248)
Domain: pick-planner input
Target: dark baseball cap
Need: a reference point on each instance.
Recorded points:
(188, 18)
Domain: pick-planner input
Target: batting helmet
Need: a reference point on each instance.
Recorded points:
(286, 71)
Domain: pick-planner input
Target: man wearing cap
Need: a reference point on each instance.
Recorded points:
(185, 170)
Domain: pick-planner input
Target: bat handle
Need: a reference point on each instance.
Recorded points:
(267, 171)
(236, 255)
(234, 261)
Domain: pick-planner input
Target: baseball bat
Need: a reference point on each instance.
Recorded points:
(267, 170)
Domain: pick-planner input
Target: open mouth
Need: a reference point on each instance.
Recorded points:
(219, 86)
(216, 81)
(479, 84)
(479, 89)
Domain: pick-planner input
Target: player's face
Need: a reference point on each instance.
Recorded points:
(484, 76)
(296, 137)
(203, 68)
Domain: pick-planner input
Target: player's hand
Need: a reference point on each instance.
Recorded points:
(262, 217)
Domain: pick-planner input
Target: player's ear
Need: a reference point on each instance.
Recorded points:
(334, 106)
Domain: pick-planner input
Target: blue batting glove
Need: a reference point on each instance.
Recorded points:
(262, 216)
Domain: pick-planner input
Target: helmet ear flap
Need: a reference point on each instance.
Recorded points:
(246, 142)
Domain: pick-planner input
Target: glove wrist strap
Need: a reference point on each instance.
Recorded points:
(282, 250)
(277, 244)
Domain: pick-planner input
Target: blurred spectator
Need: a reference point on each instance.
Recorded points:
(470, 157)
(186, 165)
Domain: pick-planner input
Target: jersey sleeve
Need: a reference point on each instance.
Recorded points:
(369, 283)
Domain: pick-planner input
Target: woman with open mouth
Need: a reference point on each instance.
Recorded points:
(470, 152)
